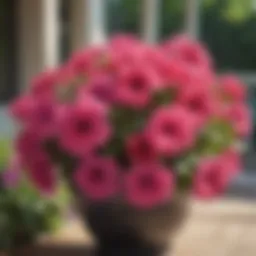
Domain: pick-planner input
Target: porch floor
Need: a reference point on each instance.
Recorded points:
(219, 228)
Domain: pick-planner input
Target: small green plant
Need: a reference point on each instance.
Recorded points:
(24, 213)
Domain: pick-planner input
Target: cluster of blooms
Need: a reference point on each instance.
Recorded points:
(133, 116)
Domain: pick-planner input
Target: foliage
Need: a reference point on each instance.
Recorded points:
(231, 42)
(4, 153)
(24, 213)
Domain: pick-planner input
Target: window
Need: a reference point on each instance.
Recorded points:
(172, 17)
(229, 31)
(123, 16)
(126, 16)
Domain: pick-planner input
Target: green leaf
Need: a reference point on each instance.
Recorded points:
(163, 97)
(127, 121)
(5, 150)
(217, 136)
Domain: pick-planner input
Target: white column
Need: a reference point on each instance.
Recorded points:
(50, 32)
(192, 18)
(95, 21)
(150, 20)
(38, 31)
(87, 23)
(29, 30)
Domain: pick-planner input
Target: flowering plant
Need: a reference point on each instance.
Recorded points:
(24, 214)
(136, 121)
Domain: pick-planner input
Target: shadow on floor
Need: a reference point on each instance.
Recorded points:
(63, 250)
(54, 251)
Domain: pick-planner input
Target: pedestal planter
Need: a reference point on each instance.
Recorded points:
(123, 230)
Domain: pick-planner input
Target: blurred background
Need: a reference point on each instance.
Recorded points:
(40, 34)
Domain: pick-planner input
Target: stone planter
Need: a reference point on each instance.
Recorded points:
(123, 230)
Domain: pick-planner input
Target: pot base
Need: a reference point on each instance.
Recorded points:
(127, 248)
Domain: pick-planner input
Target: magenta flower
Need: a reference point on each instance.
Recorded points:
(149, 185)
(232, 88)
(135, 87)
(177, 73)
(41, 173)
(199, 102)
(171, 130)
(84, 126)
(35, 161)
(97, 178)
(188, 51)
(21, 108)
(123, 41)
(159, 65)
(28, 145)
(240, 117)
(233, 161)
(43, 118)
(80, 63)
(211, 179)
(37, 113)
(83, 62)
(43, 86)
(140, 149)
(118, 51)
(102, 86)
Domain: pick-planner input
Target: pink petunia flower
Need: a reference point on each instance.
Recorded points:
(135, 88)
(232, 88)
(21, 108)
(97, 177)
(84, 126)
(140, 149)
(177, 73)
(83, 63)
(124, 41)
(102, 86)
(173, 73)
(188, 51)
(149, 185)
(42, 175)
(160, 66)
(119, 44)
(211, 179)
(233, 162)
(43, 118)
(38, 113)
(44, 84)
(199, 101)
(240, 117)
(35, 160)
(171, 130)
(28, 145)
